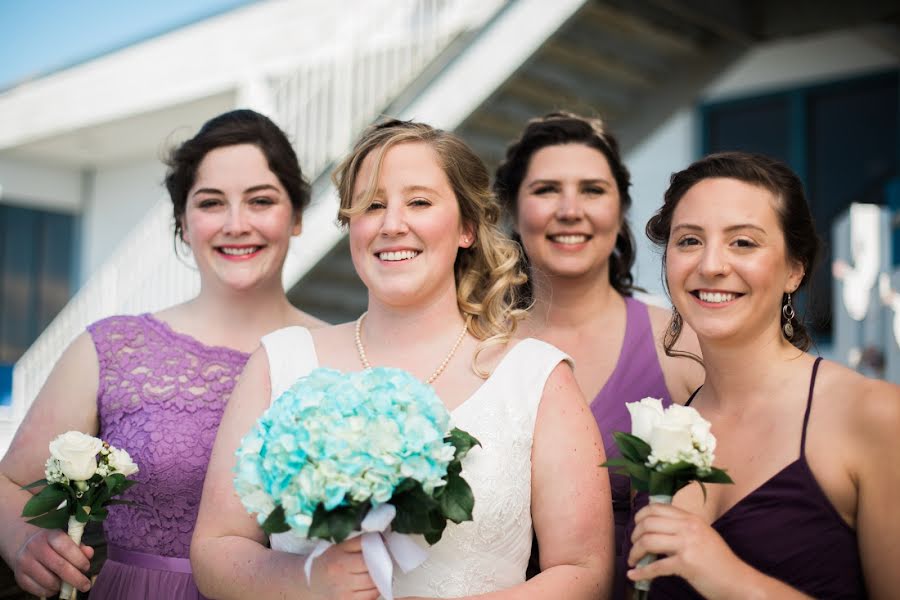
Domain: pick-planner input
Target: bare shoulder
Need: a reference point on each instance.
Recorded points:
(868, 408)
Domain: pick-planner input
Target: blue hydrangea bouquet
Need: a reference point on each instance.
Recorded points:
(368, 452)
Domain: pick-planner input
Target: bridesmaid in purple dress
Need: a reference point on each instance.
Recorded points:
(157, 384)
(565, 188)
(811, 445)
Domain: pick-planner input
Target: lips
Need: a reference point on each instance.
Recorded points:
(238, 252)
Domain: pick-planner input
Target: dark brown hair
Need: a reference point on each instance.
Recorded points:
(556, 129)
(242, 126)
(801, 241)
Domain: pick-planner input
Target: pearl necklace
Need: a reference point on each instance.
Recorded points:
(437, 372)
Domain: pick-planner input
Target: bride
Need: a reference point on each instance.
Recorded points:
(440, 276)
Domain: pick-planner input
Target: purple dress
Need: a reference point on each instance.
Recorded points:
(788, 529)
(161, 396)
(637, 375)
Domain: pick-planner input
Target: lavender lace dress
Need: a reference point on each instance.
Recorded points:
(161, 397)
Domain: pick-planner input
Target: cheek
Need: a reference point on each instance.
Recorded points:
(532, 218)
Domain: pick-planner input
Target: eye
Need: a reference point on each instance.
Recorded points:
(745, 243)
(545, 189)
(688, 240)
(262, 201)
(419, 201)
(594, 190)
(205, 203)
(375, 205)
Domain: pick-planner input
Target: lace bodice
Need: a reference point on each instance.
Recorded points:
(491, 552)
(161, 396)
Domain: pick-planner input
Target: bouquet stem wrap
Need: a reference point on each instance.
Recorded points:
(642, 587)
(381, 548)
(75, 530)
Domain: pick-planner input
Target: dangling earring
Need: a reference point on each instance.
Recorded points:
(787, 311)
(675, 322)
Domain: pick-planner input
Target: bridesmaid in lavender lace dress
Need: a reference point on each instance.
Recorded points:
(157, 385)
(565, 188)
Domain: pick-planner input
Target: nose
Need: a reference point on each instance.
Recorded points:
(394, 220)
(236, 222)
(714, 262)
(569, 207)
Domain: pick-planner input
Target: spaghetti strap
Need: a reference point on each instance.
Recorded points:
(691, 399)
(812, 385)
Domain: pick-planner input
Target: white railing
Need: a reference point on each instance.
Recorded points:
(322, 102)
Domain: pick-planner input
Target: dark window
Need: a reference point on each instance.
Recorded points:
(36, 259)
(842, 138)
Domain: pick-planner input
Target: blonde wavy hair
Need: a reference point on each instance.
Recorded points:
(487, 273)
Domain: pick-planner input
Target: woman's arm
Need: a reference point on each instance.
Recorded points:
(876, 424)
(68, 401)
(228, 552)
(570, 500)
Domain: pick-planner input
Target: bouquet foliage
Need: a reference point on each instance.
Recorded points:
(83, 474)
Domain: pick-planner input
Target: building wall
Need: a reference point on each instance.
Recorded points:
(773, 66)
(40, 186)
(118, 197)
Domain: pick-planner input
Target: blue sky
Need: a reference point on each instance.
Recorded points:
(41, 36)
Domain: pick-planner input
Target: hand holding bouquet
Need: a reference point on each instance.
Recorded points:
(83, 474)
(666, 450)
(368, 453)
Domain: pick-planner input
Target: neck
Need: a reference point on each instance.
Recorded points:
(249, 313)
(409, 326)
(570, 302)
(749, 371)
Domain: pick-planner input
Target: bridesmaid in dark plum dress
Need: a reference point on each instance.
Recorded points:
(811, 445)
(566, 191)
(156, 385)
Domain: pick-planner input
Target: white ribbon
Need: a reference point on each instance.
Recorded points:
(75, 531)
(644, 584)
(381, 548)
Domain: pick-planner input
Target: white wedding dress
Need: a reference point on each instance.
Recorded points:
(490, 552)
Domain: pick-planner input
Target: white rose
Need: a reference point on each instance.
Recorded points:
(77, 454)
(669, 444)
(644, 415)
(120, 462)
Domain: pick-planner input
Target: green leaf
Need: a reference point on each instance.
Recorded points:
(34, 484)
(632, 447)
(661, 484)
(680, 467)
(462, 441)
(616, 462)
(457, 500)
(336, 524)
(82, 514)
(275, 522)
(47, 499)
(98, 515)
(55, 519)
(716, 476)
(418, 512)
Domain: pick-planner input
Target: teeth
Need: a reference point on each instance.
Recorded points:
(569, 239)
(717, 297)
(400, 255)
(239, 251)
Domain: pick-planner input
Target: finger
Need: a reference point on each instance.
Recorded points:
(660, 510)
(356, 564)
(653, 543)
(352, 546)
(661, 567)
(32, 568)
(88, 552)
(655, 524)
(362, 583)
(65, 570)
(31, 586)
(69, 551)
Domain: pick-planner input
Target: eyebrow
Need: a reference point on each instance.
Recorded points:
(406, 190)
(548, 180)
(250, 190)
(730, 228)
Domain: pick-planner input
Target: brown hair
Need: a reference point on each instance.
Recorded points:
(801, 241)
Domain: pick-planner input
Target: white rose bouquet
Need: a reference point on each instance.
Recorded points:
(667, 449)
(83, 474)
(370, 453)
